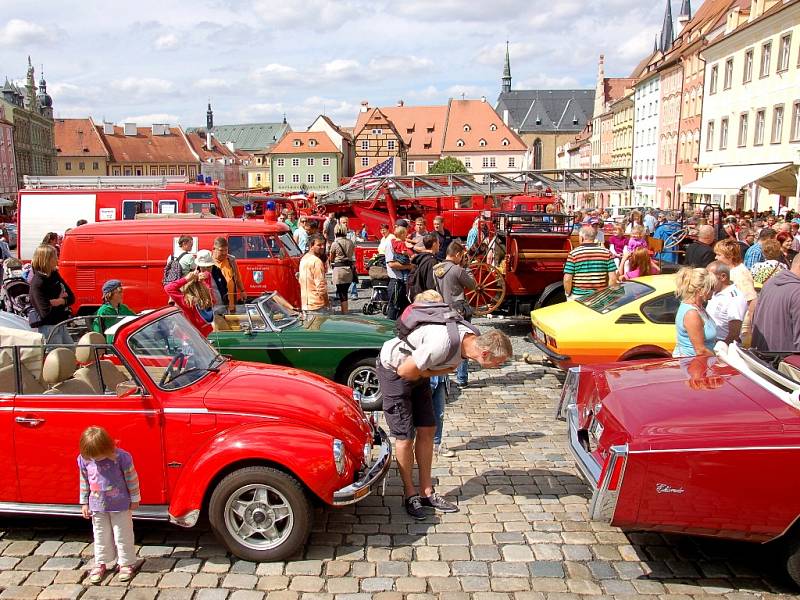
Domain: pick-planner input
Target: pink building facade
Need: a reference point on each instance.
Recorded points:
(8, 173)
(671, 93)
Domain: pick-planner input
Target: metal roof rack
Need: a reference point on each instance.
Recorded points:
(37, 182)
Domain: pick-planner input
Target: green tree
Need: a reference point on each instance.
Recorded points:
(448, 164)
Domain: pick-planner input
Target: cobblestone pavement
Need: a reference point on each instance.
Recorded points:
(522, 533)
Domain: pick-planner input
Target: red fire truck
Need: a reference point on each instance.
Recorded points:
(48, 204)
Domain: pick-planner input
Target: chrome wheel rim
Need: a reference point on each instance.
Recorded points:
(258, 516)
(364, 380)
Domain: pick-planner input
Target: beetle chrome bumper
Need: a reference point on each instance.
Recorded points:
(373, 475)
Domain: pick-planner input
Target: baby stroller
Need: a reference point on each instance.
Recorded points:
(379, 280)
(15, 289)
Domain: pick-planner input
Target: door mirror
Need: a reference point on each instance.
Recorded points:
(126, 388)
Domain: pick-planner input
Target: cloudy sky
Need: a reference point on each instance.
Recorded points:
(160, 60)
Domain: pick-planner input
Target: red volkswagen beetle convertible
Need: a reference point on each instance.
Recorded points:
(704, 446)
(253, 444)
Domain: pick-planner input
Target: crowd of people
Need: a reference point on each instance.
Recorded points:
(718, 277)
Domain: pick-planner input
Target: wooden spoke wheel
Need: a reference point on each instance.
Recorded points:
(491, 290)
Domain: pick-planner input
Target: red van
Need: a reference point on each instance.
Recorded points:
(135, 252)
(57, 203)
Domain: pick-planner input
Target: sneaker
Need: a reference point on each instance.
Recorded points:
(439, 503)
(414, 507)
(442, 450)
(463, 384)
(97, 574)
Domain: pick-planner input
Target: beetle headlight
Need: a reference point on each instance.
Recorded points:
(338, 456)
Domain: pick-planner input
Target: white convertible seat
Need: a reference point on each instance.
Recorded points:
(8, 380)
(112, 376)
(58, 370)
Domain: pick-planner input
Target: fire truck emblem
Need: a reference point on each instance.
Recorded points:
(258, 277)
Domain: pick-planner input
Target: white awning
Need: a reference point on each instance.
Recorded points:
(778, 178)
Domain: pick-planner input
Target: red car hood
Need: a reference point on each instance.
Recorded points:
(290, 395)
(690, 403)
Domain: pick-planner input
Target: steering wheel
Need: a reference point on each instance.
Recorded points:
(172, 367)
(675, 238)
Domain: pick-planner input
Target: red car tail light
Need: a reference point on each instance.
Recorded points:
(616, 472)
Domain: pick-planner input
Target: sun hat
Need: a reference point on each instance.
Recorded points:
(204, 259)
(111, 285)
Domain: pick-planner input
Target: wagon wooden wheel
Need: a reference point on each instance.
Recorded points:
(491, 290)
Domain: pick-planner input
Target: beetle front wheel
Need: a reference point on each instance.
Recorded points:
(260, 514)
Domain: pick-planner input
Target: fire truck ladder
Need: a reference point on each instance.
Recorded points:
(35, 182)
(486, 184)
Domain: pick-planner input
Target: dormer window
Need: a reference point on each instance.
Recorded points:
(296, 143)
(482, 142)
(312, 143)
(460, 143)
(467, 127)
(504, 142)
(492, 127)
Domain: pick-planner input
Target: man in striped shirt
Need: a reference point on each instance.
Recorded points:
(589, 267)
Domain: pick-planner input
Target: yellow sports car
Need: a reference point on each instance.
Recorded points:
(632, 320)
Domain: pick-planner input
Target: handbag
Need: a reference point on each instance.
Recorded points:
(34, 319)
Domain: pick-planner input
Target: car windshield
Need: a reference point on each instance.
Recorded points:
(279, 311)
(173, 352)
(615, 296)
(289, 244)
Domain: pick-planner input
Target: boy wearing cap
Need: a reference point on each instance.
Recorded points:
(113, 308)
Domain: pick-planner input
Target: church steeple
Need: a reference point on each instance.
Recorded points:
(507, 72)
(30, 88)
(667, 32)
(209, 116)
(685, 15)
(44, 99)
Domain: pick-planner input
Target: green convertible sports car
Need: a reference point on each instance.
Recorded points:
(340, 347)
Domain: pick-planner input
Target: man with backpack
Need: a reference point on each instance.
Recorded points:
(183, 260)
(432, 340)
(451, 279)
(421, 278)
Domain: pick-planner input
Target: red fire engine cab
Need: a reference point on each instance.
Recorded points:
(56, 204)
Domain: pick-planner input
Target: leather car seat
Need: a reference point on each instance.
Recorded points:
(790, 366)
(84, 354)
(8, 380)
(58, 370)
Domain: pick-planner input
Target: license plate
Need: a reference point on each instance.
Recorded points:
(538, 334)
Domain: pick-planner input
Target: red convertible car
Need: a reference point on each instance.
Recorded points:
(705, 446)
(252, 444)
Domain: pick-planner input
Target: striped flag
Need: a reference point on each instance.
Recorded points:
(380, 170)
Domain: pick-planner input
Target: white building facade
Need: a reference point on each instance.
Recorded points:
(647, 115)
(750, 135)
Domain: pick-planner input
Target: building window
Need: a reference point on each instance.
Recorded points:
(295, 162)
(537, 154)
(743, 129)
(723, 134)
(761, 118)
(326, 162)
(710, 136)
(68, 166)
(485, 162)
(310, 178)
(777, 124)
(390, 144)
(296, 143)
(492, 162)
(377, 132)
(281, 178)
(766, 58)
(747, 73)
(280, 162)
(364, 145)
(785, 50)
(505, 142)
(460, 143)
(712, 85)
(82, 166)
(312, 143)
(258, 177)
(364, 161)
(481, 142)
(96, 166)
(468, 162)
(411, 166)
(726, 83)
(295, 178)
(310, 161)
(326, 178)
(467, 127)
(492, 127)
(512, 163)
(796, 122)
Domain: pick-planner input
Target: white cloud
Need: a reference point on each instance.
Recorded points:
(276, 74)
(145, 88)
(342, 68)
(320, 15)
(18, 32)
(149, 119)
(262, 111)
(544, 81)
(469, 91)
(167, 41)
(213, 84)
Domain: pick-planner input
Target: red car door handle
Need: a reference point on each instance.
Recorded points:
(32, 421)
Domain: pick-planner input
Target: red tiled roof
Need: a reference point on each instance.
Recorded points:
(144, 147)
(287, 144)
(479, 116)
(420, 127)
(78, 137)
(218, 149)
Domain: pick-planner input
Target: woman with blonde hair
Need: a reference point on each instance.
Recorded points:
(638, 264)
(193, 295)
(696, 331)
(634, 219)
(50, 296)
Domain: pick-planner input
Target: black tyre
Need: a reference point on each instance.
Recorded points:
(365, 309)
(260, 514)
(385, 309)
(793, 561)
(362, 376)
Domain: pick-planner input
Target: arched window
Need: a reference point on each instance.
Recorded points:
(482, 142)
(492, 127)
(460, 143)
(537, 154)
(696, 146)
(504, 142)
(467, 127)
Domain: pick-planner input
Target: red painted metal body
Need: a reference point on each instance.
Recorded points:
(135, 252)
(182, 441)
(708, 451)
